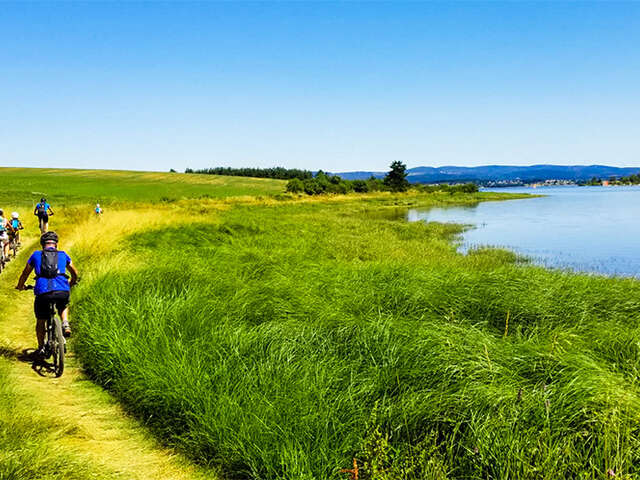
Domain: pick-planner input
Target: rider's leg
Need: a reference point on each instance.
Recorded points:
(40, 331)
(64, 316)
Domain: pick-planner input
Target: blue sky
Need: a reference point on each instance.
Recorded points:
(338, 86)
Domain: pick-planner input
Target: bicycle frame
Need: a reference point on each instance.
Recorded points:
(54, 342)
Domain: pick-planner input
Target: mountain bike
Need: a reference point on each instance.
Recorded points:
(14, 245)
(55, 344)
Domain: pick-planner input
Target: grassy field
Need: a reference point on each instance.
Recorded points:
(25, 186)
(281, 338)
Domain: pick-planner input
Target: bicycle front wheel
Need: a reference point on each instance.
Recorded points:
(58, 348)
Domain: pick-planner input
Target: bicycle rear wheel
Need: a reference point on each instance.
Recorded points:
(57, 344)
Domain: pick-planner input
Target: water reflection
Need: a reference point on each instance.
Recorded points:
(592, 229)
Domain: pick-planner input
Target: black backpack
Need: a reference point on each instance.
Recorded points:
(41, 209)
(49, 264)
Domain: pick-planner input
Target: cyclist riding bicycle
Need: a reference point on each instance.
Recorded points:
(4, 235)
(43, 210)
(52, 284)
(15, 225)
(97, 210)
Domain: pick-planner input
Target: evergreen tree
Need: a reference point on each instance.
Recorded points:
(396, 179)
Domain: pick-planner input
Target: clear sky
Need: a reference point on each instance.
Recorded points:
(338, 86)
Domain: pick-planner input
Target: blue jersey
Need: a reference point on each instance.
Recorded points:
(45, 285)
(15, 223)
(45, 204)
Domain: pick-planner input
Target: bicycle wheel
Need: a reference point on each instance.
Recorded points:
(57, 344)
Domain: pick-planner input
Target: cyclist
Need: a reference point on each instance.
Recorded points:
(16, 226)
(4, 235)
(97, 210)
(52, 284)
(43, 210)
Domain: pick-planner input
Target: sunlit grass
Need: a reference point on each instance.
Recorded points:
(270, 338)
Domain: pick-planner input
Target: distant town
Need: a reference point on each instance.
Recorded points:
(611, 181)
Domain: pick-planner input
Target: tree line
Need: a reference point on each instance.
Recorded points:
(628, 180)
(321, 183)
(304, 181)
(394, 181)
(279, 173)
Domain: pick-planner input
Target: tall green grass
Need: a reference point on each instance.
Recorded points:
(281, 342)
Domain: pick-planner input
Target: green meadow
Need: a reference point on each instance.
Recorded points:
(282, 337)
(71, 187)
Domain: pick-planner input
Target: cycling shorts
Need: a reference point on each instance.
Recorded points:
(41, 303)
(44, 217)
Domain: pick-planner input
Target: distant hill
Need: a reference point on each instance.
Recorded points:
(503, 172)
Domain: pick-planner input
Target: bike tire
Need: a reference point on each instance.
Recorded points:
(58, 348)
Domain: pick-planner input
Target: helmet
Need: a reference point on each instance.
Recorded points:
(48, 237)
(1, 212)
(15, 215)
(43, 199)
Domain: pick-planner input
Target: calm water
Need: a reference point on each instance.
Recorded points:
(591, 229)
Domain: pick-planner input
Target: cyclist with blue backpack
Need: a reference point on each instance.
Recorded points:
(15, 226)
(43, 210)
(52, 284)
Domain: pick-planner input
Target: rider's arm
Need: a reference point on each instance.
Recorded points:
(50, 211)
(23, 278)
(74, 274)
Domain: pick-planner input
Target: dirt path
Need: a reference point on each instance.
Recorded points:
(97, 428)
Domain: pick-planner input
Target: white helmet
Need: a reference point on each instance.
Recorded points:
(15, 215)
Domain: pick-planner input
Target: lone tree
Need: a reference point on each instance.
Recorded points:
(396, 179)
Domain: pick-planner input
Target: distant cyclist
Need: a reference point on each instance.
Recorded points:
(43, 210)
(4, 235)
(52, 284)
(97, 210)
(15, 226)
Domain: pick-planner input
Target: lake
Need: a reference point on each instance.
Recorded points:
(589, 229)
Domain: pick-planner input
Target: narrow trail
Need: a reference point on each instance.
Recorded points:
(97, 428)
